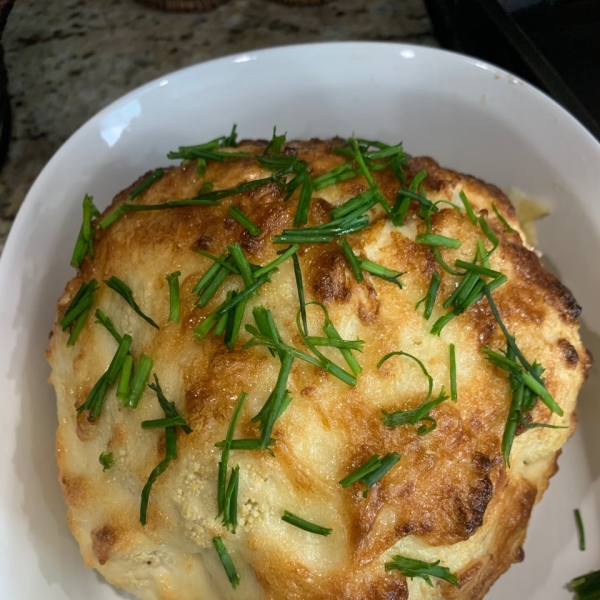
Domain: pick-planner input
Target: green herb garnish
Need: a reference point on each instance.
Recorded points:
(174, 302)
(108, 324)
(170, 454)
(586, 587)
(81, 303)
(352, 259)
(275, 144)
(226, 561)
(412, 568)
(296, 521)
(243, 220)
(580, 529)
(114, 283)
(231, 495)
(421, 414)
(106, 460)
(275, 263)
(431, 295)
(85, 239)
(231, 140)
(322, 234)
(125, 378)
(138, 382)
(528, 378)
(177, 420)
(371, 472)
(468, 207)
(223, 464)
(300, 288)
(453, 388)
(433, 239)
(502, 219)
(144, 185)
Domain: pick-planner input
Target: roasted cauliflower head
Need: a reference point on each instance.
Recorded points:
(309, 370)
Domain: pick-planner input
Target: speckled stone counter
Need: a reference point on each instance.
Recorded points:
(66, 59)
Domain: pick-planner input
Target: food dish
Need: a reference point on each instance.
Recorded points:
(437, 273)
(447, 105)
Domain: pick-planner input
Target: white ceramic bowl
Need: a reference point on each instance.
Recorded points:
(467, 114)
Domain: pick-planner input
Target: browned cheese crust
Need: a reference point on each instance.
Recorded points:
(450, 497)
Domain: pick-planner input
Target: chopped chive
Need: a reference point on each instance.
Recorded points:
(171, 454)
(223, 320)
(502, 219)
(203, 329)
(232, 575)
(106, 459)
(489, 234)
(195, 152)
(580, 530)
(85, 239)
(412, 568)
(95, 398)
(242, 264)
(468, 208)
(431, 295)
(209, 275)
(201, 167)
(371, 471)
(380, 271)
(474, 268)
(82, 301)
(278, 395)
(511, 340)
(125, 378)
(300, 288)
(352, 259)
(586, 587)
(296, 521)
(301, 216)
(79, 323)
(231, 140)
(360, 160)
(144, 185)
(119, 359)
(243, 220)
(359, 204)
(421, 366)
(275, 263)
(231, 495)
(275, 144)
(223, 260)
(453, 389)
(138, 381)
(168, 408)
(241, 296)
(245, 444)
(174, 302)
(322, 234)
(529, 379)
(207, 186)
(108, 324)
(177, 421)
(335, 343)
(223, 467)
(234, 323)
(126, 293)
(213, 286)
(433, 239)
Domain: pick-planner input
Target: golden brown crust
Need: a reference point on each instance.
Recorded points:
(449, 498)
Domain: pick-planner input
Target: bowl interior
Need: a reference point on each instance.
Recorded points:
(468, 115)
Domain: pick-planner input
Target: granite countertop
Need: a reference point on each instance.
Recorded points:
(67, 59)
